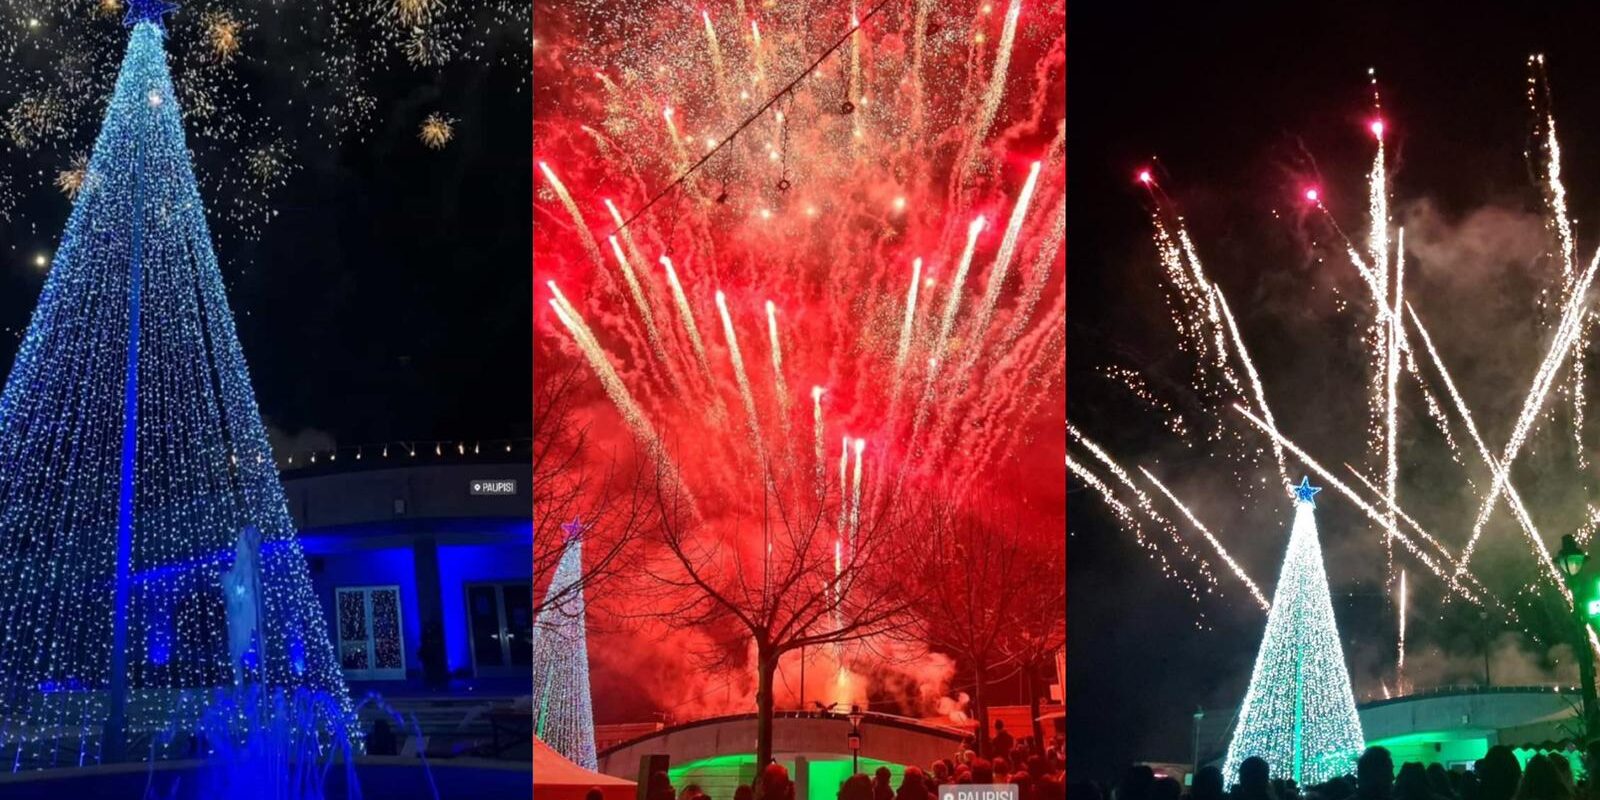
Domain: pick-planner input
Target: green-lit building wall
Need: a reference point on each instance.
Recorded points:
(721, 775)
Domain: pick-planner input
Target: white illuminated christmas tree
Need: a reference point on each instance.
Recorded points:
(563, 715)
(1299, 713)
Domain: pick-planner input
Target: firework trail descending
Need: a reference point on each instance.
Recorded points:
(1572, 317)
(809, 179)
(1255, 591)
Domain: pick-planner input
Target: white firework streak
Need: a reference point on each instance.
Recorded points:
(1402, 516)
(1448, 576)
(1122, 512)
(1392, 380)
(1567, 333)
(1216, 545)
(1556, 193)
(1122, 476)
(1512, 496)
(1255, 379)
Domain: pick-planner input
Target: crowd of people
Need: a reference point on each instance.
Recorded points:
(1038, 773)
(1499, 775)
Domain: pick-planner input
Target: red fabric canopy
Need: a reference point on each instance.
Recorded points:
(556, 778)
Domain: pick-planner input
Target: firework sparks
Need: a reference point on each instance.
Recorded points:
(436, 131)
(787, 190)
(1255, 591)
(224, 35)
(71, 180)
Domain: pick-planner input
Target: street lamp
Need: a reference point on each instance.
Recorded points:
(1572, 560)
(1199, 714)
(855, 716)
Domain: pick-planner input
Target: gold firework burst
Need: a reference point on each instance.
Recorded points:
(437, 131)
(34, 119)
(411, 12)
(108, 8)
(71, 180)
(426, 48)
(224, 35)
(268, 164)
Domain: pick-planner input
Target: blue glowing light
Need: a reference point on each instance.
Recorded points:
(1305, 492)
(132, 454)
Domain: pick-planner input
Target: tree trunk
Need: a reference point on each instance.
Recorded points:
(766, 668)
(981, 713)
(1033, 710)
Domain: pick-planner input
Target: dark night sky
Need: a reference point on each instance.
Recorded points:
(1231, 99)
(390, 298)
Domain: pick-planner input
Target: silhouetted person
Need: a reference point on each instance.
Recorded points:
(692, 792)
(856, 787)
(775, 784)
(660, 787)
(1374, 774)
(983, 771)
(1564, 771)
(1136, 783)
(1255, 780)
(881, 790)
(594, 793)
(1412, 783)
(1499, 775)
(913, 786)
(1439, 781)
(1469, 785)
(744, 792)
(381, 741)
(1207, 784)
(1080, 790)
(1002, 742)
(435, 672)
(1542, 781)
(1166, 788)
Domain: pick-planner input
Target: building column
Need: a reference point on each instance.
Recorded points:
(430, 595)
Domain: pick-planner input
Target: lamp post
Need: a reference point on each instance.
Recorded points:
(1571, 559)
(1199, 714)
(855, 716)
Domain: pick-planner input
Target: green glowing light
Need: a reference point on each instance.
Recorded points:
(719, 775)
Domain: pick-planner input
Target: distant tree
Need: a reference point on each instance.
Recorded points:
(613, 504)
(801, 568)
(991, 594)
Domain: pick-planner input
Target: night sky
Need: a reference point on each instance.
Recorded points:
(1245, 108)
(390, 298)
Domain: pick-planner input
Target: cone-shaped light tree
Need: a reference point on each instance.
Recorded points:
(135, 473)
(563, 714)
(1299, 713)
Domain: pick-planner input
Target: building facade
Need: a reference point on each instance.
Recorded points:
(418, 563)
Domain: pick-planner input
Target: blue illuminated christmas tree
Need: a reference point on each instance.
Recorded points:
(1299, 713)
(563, 715)
(136, 481)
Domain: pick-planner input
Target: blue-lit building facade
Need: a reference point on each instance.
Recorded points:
(397, 549)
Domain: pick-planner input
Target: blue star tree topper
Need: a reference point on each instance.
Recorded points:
(1305, 492)
(151, 11)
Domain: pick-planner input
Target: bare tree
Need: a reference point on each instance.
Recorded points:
(605, 510)
(992, 594)
(798, 569)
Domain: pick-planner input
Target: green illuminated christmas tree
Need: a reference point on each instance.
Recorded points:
(1299, 713)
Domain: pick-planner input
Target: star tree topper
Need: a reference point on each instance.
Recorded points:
(575, 528)
(152, 11)
(1305, 492)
